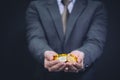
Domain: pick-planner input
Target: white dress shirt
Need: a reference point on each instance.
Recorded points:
(61, 6)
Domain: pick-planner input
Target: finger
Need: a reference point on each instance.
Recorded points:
(79, 55)
(62, 68)
(72, 68)
(52, 63)
(80, 59)
(52, 54)
(55, 67)
(48, 64)
(49, 55)
(66, 69)
(78, 66)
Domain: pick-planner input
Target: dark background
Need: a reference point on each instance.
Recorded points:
(19, 65)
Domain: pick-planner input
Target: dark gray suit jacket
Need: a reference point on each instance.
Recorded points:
(86, 29)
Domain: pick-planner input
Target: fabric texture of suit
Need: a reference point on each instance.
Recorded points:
(86, 31)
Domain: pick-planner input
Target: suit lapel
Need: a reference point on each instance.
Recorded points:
(54, 11)
(78, 8)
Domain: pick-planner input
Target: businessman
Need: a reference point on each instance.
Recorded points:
(75, 27)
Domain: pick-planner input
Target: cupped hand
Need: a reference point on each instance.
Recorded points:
(52, 65)
(77, 66)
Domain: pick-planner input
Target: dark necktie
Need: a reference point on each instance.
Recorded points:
(65, 13)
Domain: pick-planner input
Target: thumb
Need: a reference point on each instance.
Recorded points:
(49, 55)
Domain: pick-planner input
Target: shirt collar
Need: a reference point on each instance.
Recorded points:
(72, 1)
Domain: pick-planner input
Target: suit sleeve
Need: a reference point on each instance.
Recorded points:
(37, 42)
(96, 37)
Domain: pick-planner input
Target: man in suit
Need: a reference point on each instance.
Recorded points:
(81, 33)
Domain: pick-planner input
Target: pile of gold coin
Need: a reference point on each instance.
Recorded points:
(65, 58)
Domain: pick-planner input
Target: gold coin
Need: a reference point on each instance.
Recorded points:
(61, 57)
(71, 58)
(65, 58)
